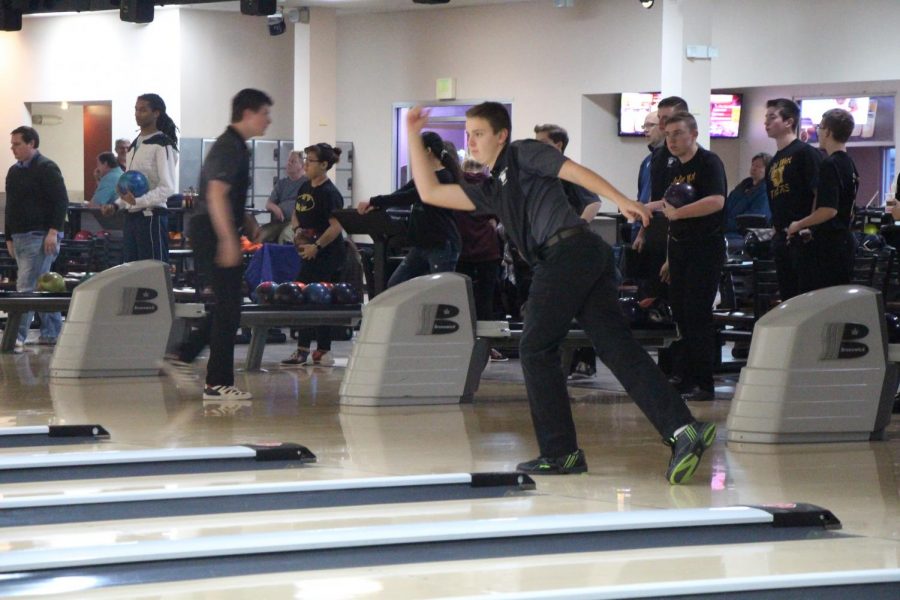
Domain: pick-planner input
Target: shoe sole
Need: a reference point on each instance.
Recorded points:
(684, 470)
(572, 471)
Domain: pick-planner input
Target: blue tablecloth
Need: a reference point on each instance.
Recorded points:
(273, 262)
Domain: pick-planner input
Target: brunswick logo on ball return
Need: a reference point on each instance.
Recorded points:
(436, 319)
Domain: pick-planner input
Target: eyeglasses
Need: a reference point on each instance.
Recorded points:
(649, 126)
(819, 126)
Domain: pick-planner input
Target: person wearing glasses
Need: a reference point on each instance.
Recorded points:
(696, 255)
(791, 181)
(320, 241)
(826, 247)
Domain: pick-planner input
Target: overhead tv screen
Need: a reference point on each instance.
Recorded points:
(724, 117)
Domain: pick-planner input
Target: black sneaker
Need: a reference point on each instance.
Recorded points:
(699, 395)
(687, 448)
(570, 463)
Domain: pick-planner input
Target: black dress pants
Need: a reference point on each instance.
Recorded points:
(576, 279)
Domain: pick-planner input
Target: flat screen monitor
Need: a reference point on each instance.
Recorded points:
(634, 108)
(724, 117)
(873, 117)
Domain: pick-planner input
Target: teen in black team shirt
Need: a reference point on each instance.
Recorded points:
(825, 257)
(696, 254)
(574, 277)
(791, 180)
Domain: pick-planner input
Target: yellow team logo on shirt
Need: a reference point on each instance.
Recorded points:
(689, 179)
(776, 176)
(305, 202)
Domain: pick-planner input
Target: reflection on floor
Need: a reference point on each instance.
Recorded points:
(857, 481)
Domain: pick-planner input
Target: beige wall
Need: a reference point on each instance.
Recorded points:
(540, 58)
(63, 142)
(224, 52)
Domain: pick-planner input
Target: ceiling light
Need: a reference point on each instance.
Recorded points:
(647, 3)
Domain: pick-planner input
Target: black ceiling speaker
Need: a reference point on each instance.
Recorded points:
(136, 11)
(258, 7)
(10, 18)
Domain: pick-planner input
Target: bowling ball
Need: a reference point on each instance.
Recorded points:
(756, 248)
(51, 282)
(83, 236)
(679, 194)
(632, 310)
(102, 234)
(872, 243)
(288, 294)
(345, 293)
(659, 311)
(85, 277)
(893, 327)
(134, 182)
(265, 292)
(316, 293)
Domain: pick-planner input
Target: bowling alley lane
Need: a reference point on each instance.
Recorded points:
(644, 573)
(136, 530)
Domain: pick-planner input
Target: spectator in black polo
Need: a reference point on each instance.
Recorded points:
(215, 232)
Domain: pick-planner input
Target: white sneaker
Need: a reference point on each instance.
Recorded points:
(19, 348)
(322, 359)
(180, 372)
(225, 392)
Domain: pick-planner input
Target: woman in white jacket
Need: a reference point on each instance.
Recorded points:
(155, 154)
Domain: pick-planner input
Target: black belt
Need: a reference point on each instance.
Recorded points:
(561, 235)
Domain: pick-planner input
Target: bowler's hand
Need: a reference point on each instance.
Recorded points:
(363, 207)
(793, 228)
(638, 244)
(416, 119)
(308, 251)
(635, 211)
(107, 210)
(670, 211)
(228, 253)
(128, 198)
(50, 243)
(278, 214)
(664, 273)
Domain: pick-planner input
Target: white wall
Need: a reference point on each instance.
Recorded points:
(224, 52)
(64, 143)
(540, 58)
(774, 42)
(89, 57)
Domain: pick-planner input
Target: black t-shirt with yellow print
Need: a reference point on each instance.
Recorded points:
(791, 180)
(706, 174)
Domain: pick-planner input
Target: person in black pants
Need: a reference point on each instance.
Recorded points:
(215, 232)
(825, 256)
(432, 231)
(319, 239)
(574, 277)
(791, 180)
(696, 254)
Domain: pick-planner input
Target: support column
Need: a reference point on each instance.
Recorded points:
(315, 78)
(688, 23)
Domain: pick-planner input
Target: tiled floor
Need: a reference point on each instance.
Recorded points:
(857, 481)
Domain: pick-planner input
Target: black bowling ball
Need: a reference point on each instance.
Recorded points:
(632, 310)
(265, 292)
(345, 293)
(679, 194)
(288, 294)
